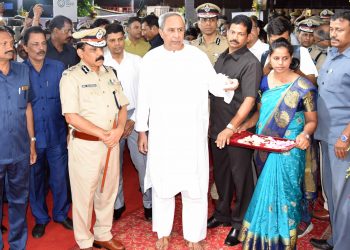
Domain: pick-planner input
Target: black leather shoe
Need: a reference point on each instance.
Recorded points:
(3, 229)
(321, 244)
(232, 238)
(148, 213)
(67, 223)
(38, 230)
(118, 212)
(212, 223)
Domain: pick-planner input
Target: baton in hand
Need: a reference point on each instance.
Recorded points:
(109, 149)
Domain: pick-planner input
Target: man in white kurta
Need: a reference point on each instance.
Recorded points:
(173, 107)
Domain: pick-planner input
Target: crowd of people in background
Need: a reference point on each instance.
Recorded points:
(72, 96)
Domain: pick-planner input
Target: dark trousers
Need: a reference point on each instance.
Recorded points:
(17, 189)
(233, 174)
(57, 159)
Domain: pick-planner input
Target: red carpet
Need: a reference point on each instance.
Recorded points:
(135, 232)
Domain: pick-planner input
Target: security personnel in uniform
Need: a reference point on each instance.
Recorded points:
(95, 108)
(321, 44)
(306, 32)
(17, 143)
(210, 42)
(326, 15)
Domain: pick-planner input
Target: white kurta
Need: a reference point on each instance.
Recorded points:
(173, 106)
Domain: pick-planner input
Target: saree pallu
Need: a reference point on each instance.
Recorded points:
(274, 211)
(311, 170)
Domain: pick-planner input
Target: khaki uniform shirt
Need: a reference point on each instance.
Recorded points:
(140, 48)
(319, 55)
(90, 94)
(214, 49)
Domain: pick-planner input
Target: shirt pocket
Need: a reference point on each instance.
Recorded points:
(53, 91)
(333, 81)
(22, 97)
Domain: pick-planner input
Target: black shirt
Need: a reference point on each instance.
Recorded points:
(246, 68)
(156, 42)
(68, 56)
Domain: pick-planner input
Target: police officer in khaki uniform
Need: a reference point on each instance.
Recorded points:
(321, 44)
(326, 15)
(210, 42)
(306, 32)
(95, 108)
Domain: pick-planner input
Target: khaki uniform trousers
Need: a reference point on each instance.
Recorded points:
(86, 164)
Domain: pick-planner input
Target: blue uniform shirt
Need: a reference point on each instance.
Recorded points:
(14, 141)
(49, 124)
(333, 102)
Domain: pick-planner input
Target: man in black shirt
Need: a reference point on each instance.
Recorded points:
(150, 31)
(232, 165)
(58, 46)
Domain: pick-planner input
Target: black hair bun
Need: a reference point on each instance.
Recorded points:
(294, 65)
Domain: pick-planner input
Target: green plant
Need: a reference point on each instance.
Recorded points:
(85, 7)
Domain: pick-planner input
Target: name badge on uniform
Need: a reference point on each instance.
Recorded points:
(24, 87)
(89, 85)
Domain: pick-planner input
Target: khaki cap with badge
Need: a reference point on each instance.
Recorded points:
(94, 37)
(308, 25)
(208, 10)
(326, 14)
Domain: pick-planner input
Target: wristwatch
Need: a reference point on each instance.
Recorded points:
(344, 138)
(231, 127)
(32, 139)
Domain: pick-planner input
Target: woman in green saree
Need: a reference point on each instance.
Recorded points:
(287, 109)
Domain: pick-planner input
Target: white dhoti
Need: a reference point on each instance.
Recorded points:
(194, 216)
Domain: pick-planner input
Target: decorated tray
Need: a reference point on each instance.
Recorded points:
(261, 142)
